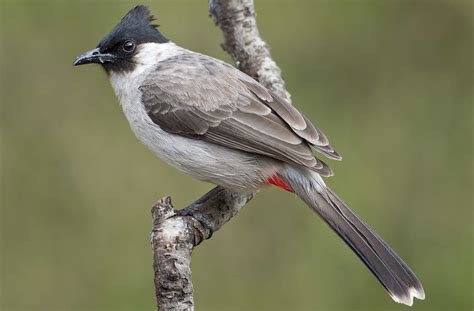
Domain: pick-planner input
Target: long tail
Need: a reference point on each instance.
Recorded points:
(397, 278)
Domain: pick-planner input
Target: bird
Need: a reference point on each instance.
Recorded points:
(212, 121)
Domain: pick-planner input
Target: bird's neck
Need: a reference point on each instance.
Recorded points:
(152, 53)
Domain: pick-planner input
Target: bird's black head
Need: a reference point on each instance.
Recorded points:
(116, 50)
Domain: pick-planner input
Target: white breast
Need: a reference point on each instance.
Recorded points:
(205, 161)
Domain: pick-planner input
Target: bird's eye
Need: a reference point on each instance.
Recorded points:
(128, 46)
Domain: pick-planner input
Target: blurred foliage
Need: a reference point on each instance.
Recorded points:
(390, 82)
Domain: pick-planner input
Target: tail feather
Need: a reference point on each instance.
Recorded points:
(397, 278)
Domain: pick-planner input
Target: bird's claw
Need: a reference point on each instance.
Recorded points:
(193, 212)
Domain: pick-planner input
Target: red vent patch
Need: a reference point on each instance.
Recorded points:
(277, 181)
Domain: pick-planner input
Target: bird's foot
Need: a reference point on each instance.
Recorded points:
(193, 211)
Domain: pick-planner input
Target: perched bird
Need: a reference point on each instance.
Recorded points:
(219, 125)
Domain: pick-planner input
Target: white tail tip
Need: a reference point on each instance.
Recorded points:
(408, 300)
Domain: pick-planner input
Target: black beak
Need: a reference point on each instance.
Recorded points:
(94, 56)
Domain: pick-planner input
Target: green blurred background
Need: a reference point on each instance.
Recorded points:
(390, 82)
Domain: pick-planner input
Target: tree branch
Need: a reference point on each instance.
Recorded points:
(176, 233)
(242, 41)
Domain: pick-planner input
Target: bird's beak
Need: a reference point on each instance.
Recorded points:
(94, 56)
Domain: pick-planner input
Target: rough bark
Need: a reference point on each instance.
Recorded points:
(242, 41)
(176, 233)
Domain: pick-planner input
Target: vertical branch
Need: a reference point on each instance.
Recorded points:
(172, 242)
(242, 41)
(176, 233)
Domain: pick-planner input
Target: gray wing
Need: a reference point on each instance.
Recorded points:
(196, 96)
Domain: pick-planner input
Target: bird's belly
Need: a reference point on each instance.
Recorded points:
(229, 168)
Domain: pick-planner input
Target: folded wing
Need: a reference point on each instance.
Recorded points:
(199, 97)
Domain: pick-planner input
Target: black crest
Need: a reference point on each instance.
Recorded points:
(136, 25)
